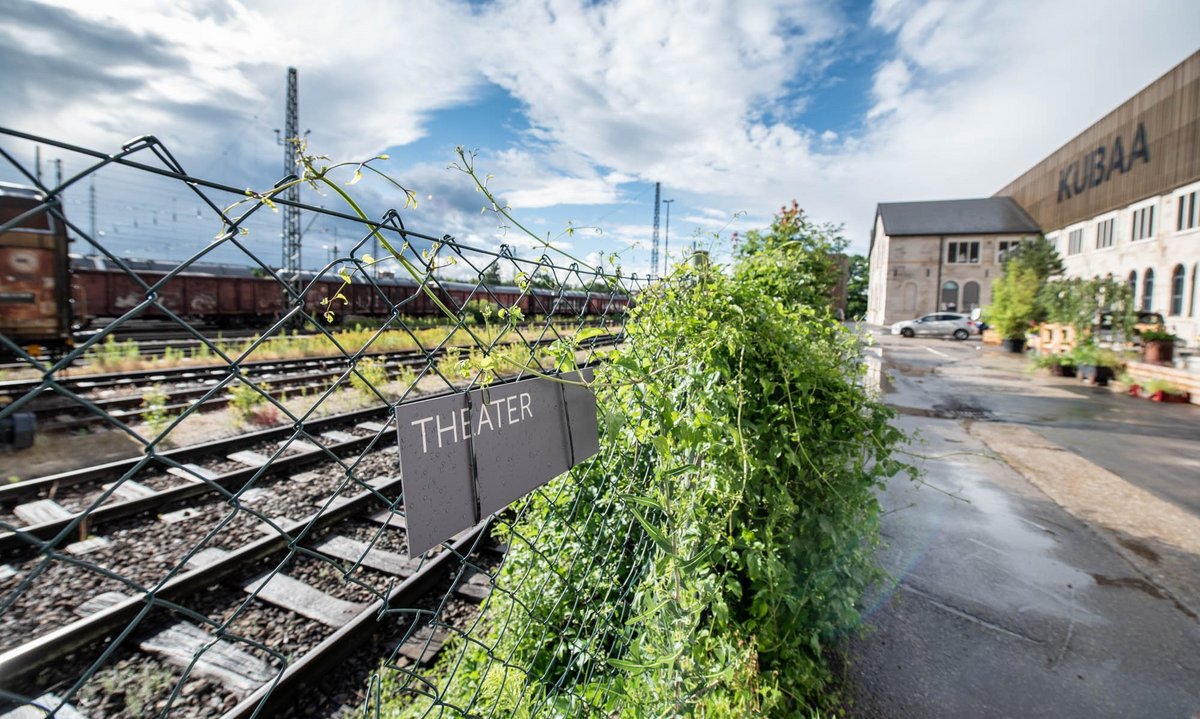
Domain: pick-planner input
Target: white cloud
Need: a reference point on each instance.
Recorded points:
(698, 95)
(202, 71)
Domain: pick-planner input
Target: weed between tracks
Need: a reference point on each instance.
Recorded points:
(124, 356)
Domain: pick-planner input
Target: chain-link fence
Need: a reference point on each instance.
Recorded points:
(210, 518)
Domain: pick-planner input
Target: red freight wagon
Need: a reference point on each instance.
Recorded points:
(34, 305)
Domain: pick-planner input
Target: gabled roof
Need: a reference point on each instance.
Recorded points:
(985, 216)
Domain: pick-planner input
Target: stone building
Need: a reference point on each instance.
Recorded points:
(941, 255)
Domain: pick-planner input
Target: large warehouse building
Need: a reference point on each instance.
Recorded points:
(1121, 198)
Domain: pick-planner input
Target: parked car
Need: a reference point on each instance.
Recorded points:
(940, 324)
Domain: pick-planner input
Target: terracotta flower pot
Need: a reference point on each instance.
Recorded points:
(1158, 351)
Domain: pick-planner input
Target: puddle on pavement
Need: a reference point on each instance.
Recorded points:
(987, 550)
(1139, 548)
(945, 412)
(1129, 583)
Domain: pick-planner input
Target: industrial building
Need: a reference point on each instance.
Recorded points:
(1122, 198)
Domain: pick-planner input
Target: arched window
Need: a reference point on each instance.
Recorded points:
(1133, 287)
(1177, 284)
(950, 296)
(970, 296)
(1148, 290)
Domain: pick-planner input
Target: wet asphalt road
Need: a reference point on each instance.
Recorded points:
(1005, 604)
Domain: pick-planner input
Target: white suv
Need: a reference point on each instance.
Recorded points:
(940, 324)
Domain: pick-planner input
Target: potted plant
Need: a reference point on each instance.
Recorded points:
(1130, 385)
(1059, 364)
(1160, 390)
(1096, 365)
(1158, 347)
(1014, 305)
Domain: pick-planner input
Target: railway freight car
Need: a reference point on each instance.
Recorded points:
(236, 296)
(35, 313)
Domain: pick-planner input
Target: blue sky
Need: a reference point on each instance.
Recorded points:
(575, 108)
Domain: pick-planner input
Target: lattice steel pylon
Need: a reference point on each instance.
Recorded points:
(291, 209)
(654, 245)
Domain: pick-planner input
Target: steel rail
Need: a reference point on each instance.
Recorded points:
(53, 646)
(39, 537)
(275, 696)
(19, 490)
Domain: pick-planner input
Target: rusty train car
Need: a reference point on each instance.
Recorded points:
(35, 312)
(236, 296)
(46, 294)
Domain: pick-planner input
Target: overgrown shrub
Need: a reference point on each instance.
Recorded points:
(717, 548)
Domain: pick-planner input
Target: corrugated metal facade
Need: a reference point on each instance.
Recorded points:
(1147, 146)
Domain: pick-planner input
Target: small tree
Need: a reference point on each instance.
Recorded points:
(491, 276)
(796, 260)
(856, 287)
(1014, 301)
(1083, 304)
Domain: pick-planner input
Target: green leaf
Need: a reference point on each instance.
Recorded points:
(590, 332)
(630, 666)
(344, 273)
(655, 533)
(644, 501)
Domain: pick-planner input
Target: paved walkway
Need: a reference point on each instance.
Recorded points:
(1031, 581)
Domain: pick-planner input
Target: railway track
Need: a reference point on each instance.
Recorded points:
(56, 411)
(330, 573)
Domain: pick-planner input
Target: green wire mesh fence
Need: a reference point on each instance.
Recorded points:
(210, 517)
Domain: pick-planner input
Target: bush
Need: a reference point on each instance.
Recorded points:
(248, 405)
(370, 376)
(732, 510)
(154, 409)
(1014, 301)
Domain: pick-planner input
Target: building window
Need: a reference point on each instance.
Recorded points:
(1104, 233)
(1177, 283)
(962, 253)
(950, 295)
(1004, 247)
(1133, 287)
(1148, 290)
(1075, 242)
(970, 296)
(1189, 211)
(1143, 223)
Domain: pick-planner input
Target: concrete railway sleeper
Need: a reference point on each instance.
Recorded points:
(249, 680)
(51, 525)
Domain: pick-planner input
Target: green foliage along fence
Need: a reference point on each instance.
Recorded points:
(707, 559)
